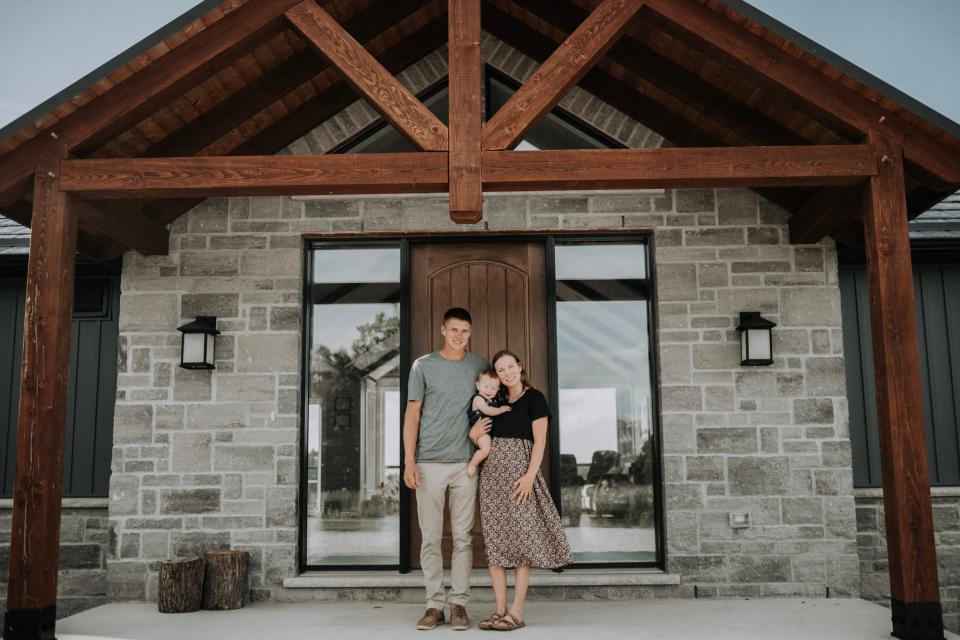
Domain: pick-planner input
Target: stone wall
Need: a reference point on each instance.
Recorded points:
(82, 581)
(209, 459)
(872, 547)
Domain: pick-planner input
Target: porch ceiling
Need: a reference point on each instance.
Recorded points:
(242, 81)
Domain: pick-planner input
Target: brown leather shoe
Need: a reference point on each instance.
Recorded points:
(430, 619)
(458, 618)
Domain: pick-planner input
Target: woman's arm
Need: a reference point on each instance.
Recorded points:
(524, 486)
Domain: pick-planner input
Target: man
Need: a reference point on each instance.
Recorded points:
(436, 452)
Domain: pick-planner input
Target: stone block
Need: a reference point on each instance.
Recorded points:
(506, 212)
(189, 501)
(81, 556)
(809, 259)
(752, 476)
(678, 436)
(791, 341)
(273, 263)
(629, 203)
(221, 305)
(752, 568)
(713, 274)
(725, 355)
(132, 423)
(736, 207)
(717, 398)
(190, 452)
(713, 237)
(813, 411)
(755, 384)
(705, 468)
(789, 384)
(268, 353)
(191, 384)
(216, 416)
(676, 398)
(208, 263)
(826, 377)
(682, 532)
(674, 364)
(196, 543)
(836, 453)
(340, 208)
(127, 581)
(148, 312)
(246, 388)
(243, 458)
(285, 318)
(732, 301)
(727, 440)
(677, 281)
(699, 568)
(281, 507)
(810, 306)
(694, 200)
(802, 510)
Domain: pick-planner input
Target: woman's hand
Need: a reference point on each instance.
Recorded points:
(522, 489)
(480, 428)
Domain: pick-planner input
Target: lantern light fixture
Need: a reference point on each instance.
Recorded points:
(197, 345)
(756, 339)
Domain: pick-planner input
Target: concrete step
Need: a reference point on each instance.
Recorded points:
(571, 584)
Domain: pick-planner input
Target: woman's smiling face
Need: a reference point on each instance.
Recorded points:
(509, 370)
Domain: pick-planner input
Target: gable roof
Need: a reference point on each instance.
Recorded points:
(239, 81)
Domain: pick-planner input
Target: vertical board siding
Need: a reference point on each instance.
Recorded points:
(92, 392)
(937, 290)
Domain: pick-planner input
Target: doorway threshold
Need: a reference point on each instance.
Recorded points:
(481, 578)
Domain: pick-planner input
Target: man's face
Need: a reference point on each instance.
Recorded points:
(456, 334)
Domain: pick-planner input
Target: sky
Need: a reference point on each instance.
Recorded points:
(46, 45)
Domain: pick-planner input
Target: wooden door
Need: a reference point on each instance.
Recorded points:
(502, 285)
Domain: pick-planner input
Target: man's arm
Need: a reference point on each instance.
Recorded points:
(411, 429)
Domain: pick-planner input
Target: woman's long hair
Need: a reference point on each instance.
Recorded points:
(523, 370)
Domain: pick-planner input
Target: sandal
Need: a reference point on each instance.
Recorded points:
(487, 623)
(508, 623)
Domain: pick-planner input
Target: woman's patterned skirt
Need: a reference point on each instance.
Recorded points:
(528, 535)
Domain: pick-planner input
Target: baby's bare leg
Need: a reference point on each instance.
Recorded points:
(483, 450)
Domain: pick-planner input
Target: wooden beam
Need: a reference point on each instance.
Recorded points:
(465, 81)
(911, 551)
(547, 86)
(38, 485)
(678, 168)
(125, 225)
(141, 94)
(820, 91)
(362, 71)
(824, 213)
(204, 176)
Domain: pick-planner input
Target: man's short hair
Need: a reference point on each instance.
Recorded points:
(457, 313)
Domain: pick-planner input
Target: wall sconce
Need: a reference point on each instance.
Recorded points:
(197, 346)
(756, 339)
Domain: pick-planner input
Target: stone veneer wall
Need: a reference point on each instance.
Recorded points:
(872, 547)
(82, 580)
(210, 459)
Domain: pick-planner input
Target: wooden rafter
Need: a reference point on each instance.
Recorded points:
(547, 86)
(367, 76)
(131, 228)
(144, 92)
(824, 213)
(814, 88)
(465, 80)
(426, 172)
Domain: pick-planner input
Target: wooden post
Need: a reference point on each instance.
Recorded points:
(914, 588)
(38, 485)
(466, 70)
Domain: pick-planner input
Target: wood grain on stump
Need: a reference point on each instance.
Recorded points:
(181, 585)
(226, 583)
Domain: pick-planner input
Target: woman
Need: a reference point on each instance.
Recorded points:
(521, 527)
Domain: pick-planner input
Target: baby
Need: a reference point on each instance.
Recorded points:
(485, 402)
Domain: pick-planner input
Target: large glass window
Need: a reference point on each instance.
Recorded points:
(353, 407)
(605, 401)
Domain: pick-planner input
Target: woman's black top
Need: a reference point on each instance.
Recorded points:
(518, 422)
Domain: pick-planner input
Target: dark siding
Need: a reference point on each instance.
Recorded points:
(937, 290)
(93, 386)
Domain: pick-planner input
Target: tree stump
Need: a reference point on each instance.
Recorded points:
(226, 584)
(181, 585)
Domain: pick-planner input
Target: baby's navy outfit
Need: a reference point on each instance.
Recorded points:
(476, 415)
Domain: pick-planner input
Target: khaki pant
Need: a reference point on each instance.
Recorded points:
(436, 478)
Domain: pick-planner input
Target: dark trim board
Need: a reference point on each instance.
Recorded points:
(405, 241)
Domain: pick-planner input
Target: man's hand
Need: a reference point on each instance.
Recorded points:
(411, 475)
(480, 428)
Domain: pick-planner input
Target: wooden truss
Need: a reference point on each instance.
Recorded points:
(464, 160)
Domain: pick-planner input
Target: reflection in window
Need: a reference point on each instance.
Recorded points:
(353, 417)
(603, 363)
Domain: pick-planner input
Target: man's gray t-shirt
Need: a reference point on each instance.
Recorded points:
(445, 387)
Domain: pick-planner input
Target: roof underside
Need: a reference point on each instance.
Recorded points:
(266, 91)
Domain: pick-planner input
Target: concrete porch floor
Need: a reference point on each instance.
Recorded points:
(783, 619)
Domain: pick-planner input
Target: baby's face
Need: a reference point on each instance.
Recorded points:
(488, 387)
